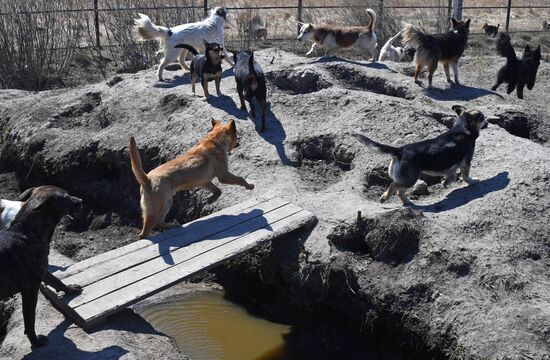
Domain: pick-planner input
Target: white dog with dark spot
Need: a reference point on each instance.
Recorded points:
(390, 52)
(210, 29)
(8, 210)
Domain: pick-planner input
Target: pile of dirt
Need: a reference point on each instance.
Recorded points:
(441, 279)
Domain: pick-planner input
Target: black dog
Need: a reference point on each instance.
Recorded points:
(440, 156)
(444, 48)
(250, 80)
(517, 73)
(491, 30)
(206, 67)
(24, 250)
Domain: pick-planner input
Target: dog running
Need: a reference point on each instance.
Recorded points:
(210, 29)
(517, 73)
(431, 49)
(250, 80)
(490, 30)
(331, 37)
(206, 67)
(440, 156)
(390, 52)
(24, 249)
(196, 168)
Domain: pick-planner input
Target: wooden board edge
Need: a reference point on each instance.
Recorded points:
(62, 307)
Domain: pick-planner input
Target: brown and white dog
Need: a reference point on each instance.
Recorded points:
(196, 168)
(331, 37)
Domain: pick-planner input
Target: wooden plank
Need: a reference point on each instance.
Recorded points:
(115, 301)
(190, 226)
(61, 304)
(176, 240)
(158, 264)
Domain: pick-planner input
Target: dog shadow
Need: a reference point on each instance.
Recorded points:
(275, 135)
(459, 92)
(202, 231)
(60, 347)
(227, 104)
(367, 63)
(464, 195)
(185, 79)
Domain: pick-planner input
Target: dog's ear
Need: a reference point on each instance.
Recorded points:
(454, 23)
(215, 123)
(25, 195)
(205, 43)
(459, 109)
(467, 23)
(232, 126)
(527, 50)
(300, 23)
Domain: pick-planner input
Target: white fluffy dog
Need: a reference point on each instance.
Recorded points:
(390, 52)
(210, 29)
(8, 210)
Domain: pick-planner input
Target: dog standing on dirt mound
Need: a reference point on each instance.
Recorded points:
(196, 168)
(432, 49)
(517, 73)
(210, 29)
(440, 156)
(331, 37)
(24, 249)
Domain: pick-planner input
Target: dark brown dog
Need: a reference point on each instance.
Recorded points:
(24, 250)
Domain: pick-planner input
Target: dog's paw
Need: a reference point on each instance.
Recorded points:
(408, 202)
(249, 186)
(383, 198)
(73, 290)
(40, 341)
(471, 181)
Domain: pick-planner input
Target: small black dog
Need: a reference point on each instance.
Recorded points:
(24, 250)
(491, 30)
(250, 80)
(442, 48)
(440, 156)
(517, 73)
(206, 67)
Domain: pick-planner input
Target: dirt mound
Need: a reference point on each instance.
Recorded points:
(443, 278)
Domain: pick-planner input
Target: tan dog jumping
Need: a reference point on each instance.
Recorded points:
(196, 168)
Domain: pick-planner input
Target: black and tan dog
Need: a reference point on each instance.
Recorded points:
(24, 250)
(517, 73)
(250, 80)
(432, 49)
(206, 67)
(440, 156)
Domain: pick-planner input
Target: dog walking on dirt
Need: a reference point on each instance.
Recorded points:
(196, 168)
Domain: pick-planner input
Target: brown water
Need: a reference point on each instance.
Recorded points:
(207, 326)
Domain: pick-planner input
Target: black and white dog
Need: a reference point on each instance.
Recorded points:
(250, 80)
(210, 29)
(517, 73)
(440, 156)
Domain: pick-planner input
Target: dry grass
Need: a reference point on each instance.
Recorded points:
(28, 62)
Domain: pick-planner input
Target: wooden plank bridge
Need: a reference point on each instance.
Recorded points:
(116, 279)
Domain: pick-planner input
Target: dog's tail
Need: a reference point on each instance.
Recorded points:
(146, 30)
(504, 48)
(377, 147)
(387, 45)
(191, 49)
(427, 49)
(137, 168)
(372, 16)
(253, 76)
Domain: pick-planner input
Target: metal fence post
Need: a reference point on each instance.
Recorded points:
(299, 15)
(96, 24)
(449, 10)
(457, 9)
(205, 6)
(381, 8)
(508, 15)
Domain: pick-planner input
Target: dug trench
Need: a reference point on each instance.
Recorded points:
(438, 280)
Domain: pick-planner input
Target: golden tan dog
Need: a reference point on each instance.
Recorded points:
(196, 168)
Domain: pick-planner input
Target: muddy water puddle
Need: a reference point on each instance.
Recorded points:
(207, 326)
